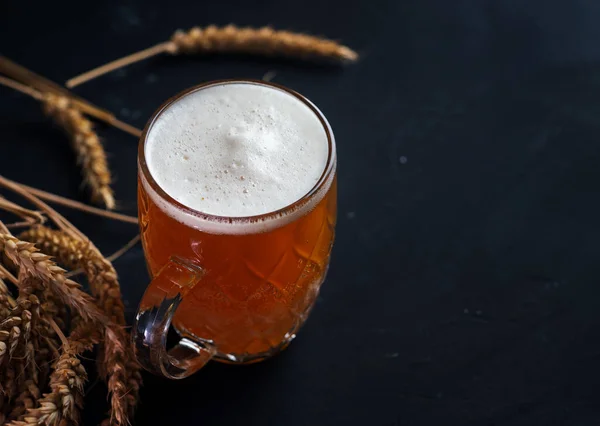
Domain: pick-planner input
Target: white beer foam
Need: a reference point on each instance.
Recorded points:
(236, 150)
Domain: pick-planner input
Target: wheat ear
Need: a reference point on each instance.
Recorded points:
(87, 145)
(36, 264)
(85, 141)
(232, 39)
(65, 399)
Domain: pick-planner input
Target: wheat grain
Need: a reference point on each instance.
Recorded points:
(232, 39)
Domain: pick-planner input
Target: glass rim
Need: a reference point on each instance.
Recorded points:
(323, 180)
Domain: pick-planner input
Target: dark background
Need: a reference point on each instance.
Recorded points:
(464, 283)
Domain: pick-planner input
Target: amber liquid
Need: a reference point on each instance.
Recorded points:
(258, 288)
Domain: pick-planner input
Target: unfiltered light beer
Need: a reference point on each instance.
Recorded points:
(237, 178)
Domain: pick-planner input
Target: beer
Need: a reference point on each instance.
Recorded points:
(239, 179)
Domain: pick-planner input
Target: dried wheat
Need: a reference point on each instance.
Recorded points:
(87, 145)
(115, 362)
(115, 359)
(19, 376)
(65, 399)
(232, 39)
(263, 41)
(39, 265)
(34, 322)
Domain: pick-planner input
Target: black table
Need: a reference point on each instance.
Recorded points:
(464, 282)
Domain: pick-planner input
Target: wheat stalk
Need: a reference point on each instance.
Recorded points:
(73, 254)
(232, 39)
(29, 304)
(115, 360)
(56, 292)
(30, 261)
(265, 41)
(26, 331)
(87, 145)
(85, 141)
(123, 384)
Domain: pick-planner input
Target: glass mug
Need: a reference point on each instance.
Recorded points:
(238, 296)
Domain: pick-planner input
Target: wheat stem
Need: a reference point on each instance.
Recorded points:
(22, 212)
(124, 249)
(119, 63)
(20, 224)
(21, 88)
(58, 219)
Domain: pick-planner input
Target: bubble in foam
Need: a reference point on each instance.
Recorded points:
(230, 137)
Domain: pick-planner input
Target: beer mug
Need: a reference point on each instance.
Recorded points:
(236, 289)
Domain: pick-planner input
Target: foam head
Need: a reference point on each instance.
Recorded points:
(237, 149)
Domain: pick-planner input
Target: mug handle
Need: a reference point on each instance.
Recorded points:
(153, 319)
